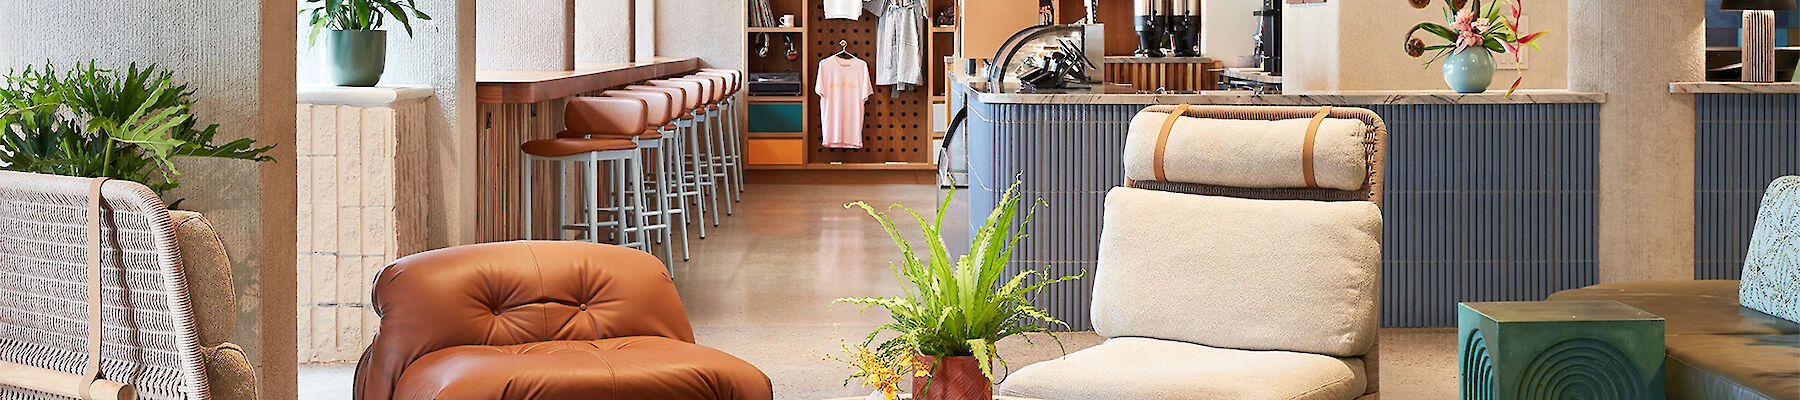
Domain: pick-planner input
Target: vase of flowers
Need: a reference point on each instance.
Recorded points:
(954, 310)
(1474, 34)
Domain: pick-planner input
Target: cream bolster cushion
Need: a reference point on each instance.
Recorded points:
(1140, 368)
(1291, 275)
(1248, 153)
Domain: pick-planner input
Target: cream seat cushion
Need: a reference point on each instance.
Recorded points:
(1248, 153)
(1151, 369)
(1290, 275)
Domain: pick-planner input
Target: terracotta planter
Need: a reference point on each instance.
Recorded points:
(953, 378)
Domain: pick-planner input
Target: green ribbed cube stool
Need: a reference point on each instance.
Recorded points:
(1594, 350)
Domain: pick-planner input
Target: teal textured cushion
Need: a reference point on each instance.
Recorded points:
(1771, 279)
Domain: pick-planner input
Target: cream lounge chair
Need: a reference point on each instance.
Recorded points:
(168, 297)
(1242, 261)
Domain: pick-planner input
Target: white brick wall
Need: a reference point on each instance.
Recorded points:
(362, 204)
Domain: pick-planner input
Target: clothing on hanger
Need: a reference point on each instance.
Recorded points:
(843, 9)
(843, 88)
(900, 44)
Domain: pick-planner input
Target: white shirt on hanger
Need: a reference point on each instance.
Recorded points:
(843, 9)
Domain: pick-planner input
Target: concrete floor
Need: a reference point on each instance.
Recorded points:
(760, 287)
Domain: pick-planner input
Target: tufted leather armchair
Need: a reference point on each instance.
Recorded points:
(540, 320)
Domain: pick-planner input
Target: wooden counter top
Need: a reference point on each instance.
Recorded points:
(495, 87)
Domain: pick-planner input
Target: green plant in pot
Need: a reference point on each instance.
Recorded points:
(92, 122)
(954, 311)
(1475, 33)
(356, 46)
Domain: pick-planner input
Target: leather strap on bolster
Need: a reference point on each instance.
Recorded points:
(1162, 140)
(92, 370)
(1306, 149)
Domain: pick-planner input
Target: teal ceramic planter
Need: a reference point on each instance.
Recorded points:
(1470, 70)
(355, 58)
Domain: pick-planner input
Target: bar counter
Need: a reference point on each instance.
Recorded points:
(519, 106)
(1487, 198)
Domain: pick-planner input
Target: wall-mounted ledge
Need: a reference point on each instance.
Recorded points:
(1115, 95)
(1735, 87)
(379, 96)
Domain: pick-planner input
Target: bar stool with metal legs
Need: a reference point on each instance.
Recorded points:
(653, 141)
(685, 194)
(715, 136)
(704, 163)
(735, 129)
(599, 116)
(696, 181)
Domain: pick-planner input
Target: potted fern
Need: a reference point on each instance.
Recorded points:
(954, 311)
(355, 44)
(93, 122)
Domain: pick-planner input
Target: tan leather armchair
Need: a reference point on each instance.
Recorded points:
(541, 320)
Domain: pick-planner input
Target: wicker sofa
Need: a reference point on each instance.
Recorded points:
(1219, 279)
(1730, 339)
(170, 306)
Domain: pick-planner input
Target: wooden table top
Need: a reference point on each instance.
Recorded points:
(492, 87)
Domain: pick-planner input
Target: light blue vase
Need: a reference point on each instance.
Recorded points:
(1470, 70)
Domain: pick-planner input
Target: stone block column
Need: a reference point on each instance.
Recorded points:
(362, 203)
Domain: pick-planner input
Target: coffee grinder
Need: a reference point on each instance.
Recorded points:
(1184, 28)
(1151, 18)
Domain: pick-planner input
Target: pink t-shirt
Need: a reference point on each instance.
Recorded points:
(843, 88)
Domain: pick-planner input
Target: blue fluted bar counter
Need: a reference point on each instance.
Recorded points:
(1745, 135)
(1487, 198)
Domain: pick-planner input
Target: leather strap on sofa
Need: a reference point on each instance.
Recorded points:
(1162, 139)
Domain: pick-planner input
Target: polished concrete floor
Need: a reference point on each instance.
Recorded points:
(761, 287)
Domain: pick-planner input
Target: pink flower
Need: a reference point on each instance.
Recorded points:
(1482, 25)
(1465, 19)
(1518, 9)
(1468, 38)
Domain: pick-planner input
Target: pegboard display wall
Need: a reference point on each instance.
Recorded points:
(894, 128)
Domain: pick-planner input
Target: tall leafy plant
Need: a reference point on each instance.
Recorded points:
(960, 306)
(360, 15)
(93, 122)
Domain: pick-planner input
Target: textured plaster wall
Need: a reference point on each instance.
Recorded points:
(600, 31)
(440, 53)
(1229, 31)
(1646, 133)
(712, 30)
(1366, 38)
(522, 34)
(238, 58)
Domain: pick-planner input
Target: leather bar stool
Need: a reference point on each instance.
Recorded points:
(684, 192)
(700, 164)
(735, 131)
(655, 143)
(715, 135)
(597, 116)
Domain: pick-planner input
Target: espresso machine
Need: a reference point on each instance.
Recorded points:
(1151, 20)
(1184, 28)
(1268, 37)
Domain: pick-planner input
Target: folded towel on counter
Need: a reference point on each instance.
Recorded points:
(1248, 153)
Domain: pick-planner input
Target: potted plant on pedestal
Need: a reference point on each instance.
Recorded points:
(955, 310)
(1474, 34)
(92, 122)
(356, 47)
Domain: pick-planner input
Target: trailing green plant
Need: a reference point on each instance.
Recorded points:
(960, 307)
(92, 122)
(360, 15)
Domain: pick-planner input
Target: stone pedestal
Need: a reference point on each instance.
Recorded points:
(1559, 350)
(362, 203)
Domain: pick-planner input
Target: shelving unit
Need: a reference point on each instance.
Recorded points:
(898, 130)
